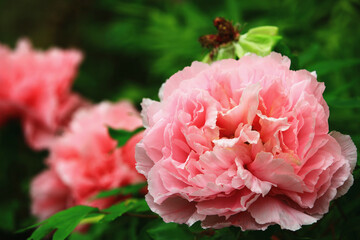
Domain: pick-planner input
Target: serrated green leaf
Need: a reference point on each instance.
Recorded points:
(141, 206)
(122, 136)
(130, 189)
(63, 222)
(92, 218)
(119, 209)
(30, 227)
(196, 227)
(165, 231)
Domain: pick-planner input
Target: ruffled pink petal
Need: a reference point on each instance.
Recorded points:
(247, 178)
(242, 113)
(175, 209)
(173, 82)
(228, 205)
(85, 158)
(243, 143)
(276, 171)
(36, 84)
(269, 210)
(348, 148)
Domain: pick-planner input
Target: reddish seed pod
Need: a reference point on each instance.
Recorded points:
(209, 41)
(226, 33)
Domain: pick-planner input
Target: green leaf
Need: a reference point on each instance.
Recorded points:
(239, 51)
(119, 209)
(130, 189)
(63, 222)
(263, 30)
(141, 206)
(225, 52)
(260, 40)
(116, 211)
(196, 228)
(122, 136)
(165, 231)
(92, 218)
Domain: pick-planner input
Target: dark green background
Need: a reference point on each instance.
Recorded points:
(132, 47)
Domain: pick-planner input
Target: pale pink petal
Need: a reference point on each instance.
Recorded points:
(173, 83)
(86, 160)
(36, 84)
(269, 210)
(243, 113)
(228, 205)
(175, 209)
(246, 178)
(277, 171)
(243, 143)
(348, 147)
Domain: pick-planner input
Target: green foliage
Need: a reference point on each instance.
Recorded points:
(169, 231)
(129, 189)
(122, 136)
(259, 40)
(63, 222)
(119, 209)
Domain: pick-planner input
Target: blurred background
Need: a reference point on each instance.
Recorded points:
(132, 47)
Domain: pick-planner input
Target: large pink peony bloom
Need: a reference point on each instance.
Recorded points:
(85, 160)
(243, 143)
(35, 86)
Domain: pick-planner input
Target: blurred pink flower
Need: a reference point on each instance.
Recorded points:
(85, 160)
(36, 87)
(243, 143)
(50, 195)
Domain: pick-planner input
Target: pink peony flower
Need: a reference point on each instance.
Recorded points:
(243, 143)
(50, 195)
(85, 160)
(35, 86)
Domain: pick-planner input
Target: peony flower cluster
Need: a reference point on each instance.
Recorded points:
(85, 160)
(243, 143)
(35, 86)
